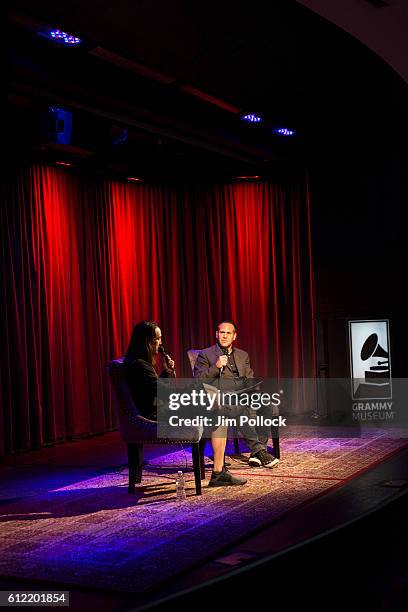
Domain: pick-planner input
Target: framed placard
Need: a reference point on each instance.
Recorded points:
(370, 360)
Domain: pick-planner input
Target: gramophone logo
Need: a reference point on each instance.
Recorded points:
(370, 359)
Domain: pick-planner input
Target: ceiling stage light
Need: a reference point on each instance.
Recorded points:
(63, 38)
(284, 132)
(252, 118)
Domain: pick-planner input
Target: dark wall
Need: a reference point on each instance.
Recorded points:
(360, 248)
(358, 163)
(359, 194)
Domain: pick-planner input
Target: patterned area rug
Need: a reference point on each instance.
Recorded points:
(93, 533)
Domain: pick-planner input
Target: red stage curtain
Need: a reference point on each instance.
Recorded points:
(83, 260)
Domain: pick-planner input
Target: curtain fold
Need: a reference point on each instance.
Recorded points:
(83, 260)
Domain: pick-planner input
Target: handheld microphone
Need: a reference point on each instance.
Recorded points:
(166, 357)
(225, 351)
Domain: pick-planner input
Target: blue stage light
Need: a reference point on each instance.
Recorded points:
(61, 37)
(284, 132)
(251, 118)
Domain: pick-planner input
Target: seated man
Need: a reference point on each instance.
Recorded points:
(223, 361)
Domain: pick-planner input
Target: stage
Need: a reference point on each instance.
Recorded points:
(69, 523)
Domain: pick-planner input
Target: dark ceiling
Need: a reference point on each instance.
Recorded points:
(178, 74)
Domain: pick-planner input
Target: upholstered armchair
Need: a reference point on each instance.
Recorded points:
(192, 356)
(136, 431)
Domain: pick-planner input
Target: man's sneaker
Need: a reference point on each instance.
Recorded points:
(225, 479)
(262, 458)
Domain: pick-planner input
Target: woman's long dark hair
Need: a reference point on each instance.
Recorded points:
(140, 345)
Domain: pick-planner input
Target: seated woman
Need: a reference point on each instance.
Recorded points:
(142, 378)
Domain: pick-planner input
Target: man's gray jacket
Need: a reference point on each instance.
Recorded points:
(205, 365)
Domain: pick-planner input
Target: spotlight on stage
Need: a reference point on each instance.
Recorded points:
(251, 118)
(283, 131)
(65, 164)
(60, 37)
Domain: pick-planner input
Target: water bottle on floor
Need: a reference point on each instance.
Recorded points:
(180, 486)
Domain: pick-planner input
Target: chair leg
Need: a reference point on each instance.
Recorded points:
(275, 442)
(201, 446)
(195, 451)
(135, 463)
